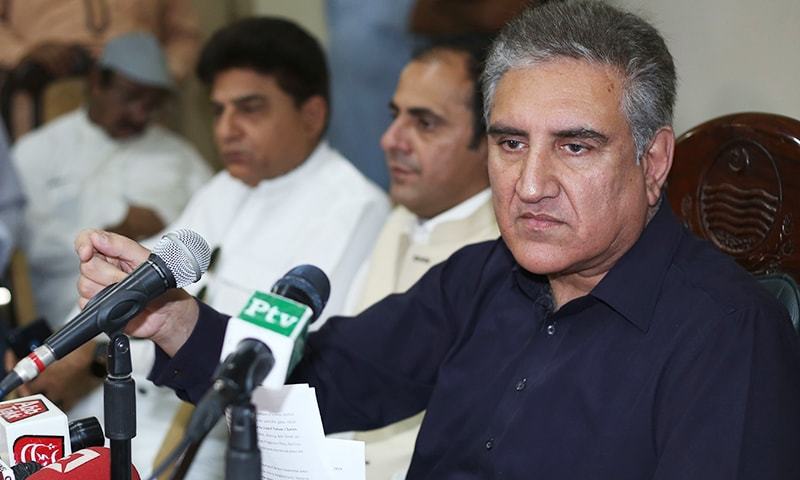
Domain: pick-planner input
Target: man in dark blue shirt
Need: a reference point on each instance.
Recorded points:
(596, 339)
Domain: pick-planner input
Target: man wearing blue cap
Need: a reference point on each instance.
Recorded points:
(105, 164)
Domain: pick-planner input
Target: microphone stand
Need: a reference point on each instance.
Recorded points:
(119, 392)
(243, 457)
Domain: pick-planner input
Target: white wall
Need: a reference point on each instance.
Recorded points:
(731, 55)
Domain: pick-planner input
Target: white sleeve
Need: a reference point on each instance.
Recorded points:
(163, 174)
(359, 246)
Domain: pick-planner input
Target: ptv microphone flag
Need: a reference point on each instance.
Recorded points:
(33, 429)
(276, 321)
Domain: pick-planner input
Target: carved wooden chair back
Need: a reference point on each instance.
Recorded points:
(735, 181)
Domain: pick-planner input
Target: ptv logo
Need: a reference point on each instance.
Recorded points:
(274, 312)
(42, 449)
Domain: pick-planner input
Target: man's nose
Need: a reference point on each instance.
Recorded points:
(226, 128)
(140, 113)
(538, 178)
(395, 137)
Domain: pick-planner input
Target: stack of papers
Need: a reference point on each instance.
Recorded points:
(293, 444)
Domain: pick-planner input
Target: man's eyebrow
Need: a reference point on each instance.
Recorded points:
(416, 111)
(582, 133)
(500, 129)
(253, 97)
(238, 101)
(423, 112)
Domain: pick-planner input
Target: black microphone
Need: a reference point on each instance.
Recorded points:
(85, 433)
(179, 259)
(19, 471)
(236, 378)
(248, 365)
(305, 284)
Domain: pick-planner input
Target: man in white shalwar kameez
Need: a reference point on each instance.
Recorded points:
(104, 165)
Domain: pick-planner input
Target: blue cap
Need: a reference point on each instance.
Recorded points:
(138, 57)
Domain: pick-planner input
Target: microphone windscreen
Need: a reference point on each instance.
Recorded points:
(306, 284)
(186, 254)
(87, 464)
(85, 433)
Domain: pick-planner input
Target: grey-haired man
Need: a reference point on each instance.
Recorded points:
(596, 339)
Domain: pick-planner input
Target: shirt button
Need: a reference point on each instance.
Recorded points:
(489, 444)
(521, 384)
(551, 329)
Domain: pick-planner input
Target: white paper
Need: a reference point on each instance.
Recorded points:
(292, 441)
(345, 459)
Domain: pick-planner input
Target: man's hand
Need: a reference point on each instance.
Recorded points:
(107, 258)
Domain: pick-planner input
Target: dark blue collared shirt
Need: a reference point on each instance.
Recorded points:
(676, 366)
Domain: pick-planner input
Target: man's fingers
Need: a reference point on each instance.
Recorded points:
(96, 274)
(87, 289)
(83, 245)
(109, 245)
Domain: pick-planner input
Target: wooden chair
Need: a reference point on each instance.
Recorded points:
(24, 99)
(735, 181)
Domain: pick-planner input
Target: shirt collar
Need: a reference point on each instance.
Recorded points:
(302, 172)
(421, 229)
(96, 133)
(632, 286)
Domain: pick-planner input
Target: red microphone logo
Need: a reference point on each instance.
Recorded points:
(13, 412)
(42, 449)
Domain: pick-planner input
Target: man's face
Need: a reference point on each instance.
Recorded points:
(569, 196)
(123, 107)
(427, 146)
(259, 130)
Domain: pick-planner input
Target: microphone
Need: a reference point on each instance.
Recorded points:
(19, 471)
(236, 378)
(85, 433)
(279, 319)
(179, 259)
(33, 429)
(87, 464)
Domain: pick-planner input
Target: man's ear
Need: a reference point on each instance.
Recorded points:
(656, 163)
(314, 112)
